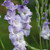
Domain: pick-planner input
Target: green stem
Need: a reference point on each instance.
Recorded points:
(33, 48)
(42, 7)
(2, 44)
(21, 1)
(46, 2)
(49, 17)
(49, 9)
(35, 41)
(43, 43)
(47, 44)
(39, 21)
(40, 41)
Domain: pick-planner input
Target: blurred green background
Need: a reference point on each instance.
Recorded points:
(32, 39)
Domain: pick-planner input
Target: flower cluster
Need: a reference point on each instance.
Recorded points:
(45, 33)
(42, 19)
(19, 24)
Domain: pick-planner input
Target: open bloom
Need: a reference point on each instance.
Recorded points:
(27, 20)
(10, 15)
(10, 5)
(16, 37)
(45, 31)
(18, 40)
(24, 11)
(20, 46)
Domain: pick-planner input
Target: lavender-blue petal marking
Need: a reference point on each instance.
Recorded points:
(26, 1)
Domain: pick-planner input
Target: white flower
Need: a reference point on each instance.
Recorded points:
(45, 31)
(27, 20)
(10, 15)
(20, 45)
(26, 32)
(24, 11)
